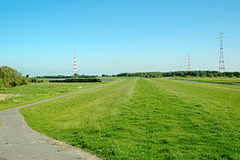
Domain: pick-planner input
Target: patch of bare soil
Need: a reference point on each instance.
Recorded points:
(3, 97)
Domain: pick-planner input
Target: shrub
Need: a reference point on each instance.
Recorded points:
(25, 81)
(36, 80)
(10, 76)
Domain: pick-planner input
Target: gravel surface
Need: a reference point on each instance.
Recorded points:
(18, 141)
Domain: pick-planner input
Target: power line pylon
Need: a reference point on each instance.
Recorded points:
(189, 62)
(75, 64)
(221, 57)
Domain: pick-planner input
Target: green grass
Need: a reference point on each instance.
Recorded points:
(146, 119)
(38, 91)
(221, 80)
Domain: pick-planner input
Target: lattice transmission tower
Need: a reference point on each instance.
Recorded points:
(221, 57)
(75, 64)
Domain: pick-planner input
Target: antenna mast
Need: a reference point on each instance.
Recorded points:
(75, 64)
(221, 58)
(189, 62)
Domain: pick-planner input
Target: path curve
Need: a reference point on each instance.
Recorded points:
(18, 141)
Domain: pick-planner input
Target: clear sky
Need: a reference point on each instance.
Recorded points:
(38, 37)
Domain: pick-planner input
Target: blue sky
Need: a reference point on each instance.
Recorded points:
(38, 37)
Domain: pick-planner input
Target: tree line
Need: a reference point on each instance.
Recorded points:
(73, 80)
(180, 74)
(65, 77)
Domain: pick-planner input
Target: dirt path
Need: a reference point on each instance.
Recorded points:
(19, 141)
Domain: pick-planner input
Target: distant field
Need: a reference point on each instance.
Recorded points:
(38, 91)
(146, 119)
(220, 80)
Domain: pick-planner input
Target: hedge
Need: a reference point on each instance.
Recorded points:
(74, 80)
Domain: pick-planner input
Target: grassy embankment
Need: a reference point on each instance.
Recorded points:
(146, 119)
(38, 91)
(220, 80)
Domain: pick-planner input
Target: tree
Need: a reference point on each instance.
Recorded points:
(75, 75)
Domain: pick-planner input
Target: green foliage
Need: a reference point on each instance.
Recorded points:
(74, 80)
(40, 81)
(84, 76)
(36, 80)
(180, 74)
(106, 75)
(146, 119)
(75, 75)
(25, 81)
(10, 76)
(2, 85)
(62, 76)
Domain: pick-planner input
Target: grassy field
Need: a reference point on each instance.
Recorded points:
(235, 81)
(146, 119)
(38, 91)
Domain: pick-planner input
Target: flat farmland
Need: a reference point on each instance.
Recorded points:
(140, 118)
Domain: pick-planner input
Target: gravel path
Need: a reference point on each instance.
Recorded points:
(18, 141)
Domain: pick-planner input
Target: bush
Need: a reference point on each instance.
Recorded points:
(25, 81)
(10, 77)
(2, 86)
(40, 81)
(36, 80)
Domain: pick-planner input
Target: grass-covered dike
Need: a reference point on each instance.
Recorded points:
(33, 92)
(146, 119)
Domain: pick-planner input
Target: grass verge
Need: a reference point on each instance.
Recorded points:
(146, 119)
(35, 92)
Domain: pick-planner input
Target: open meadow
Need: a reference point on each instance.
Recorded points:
(33, 92)
(140, 118)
